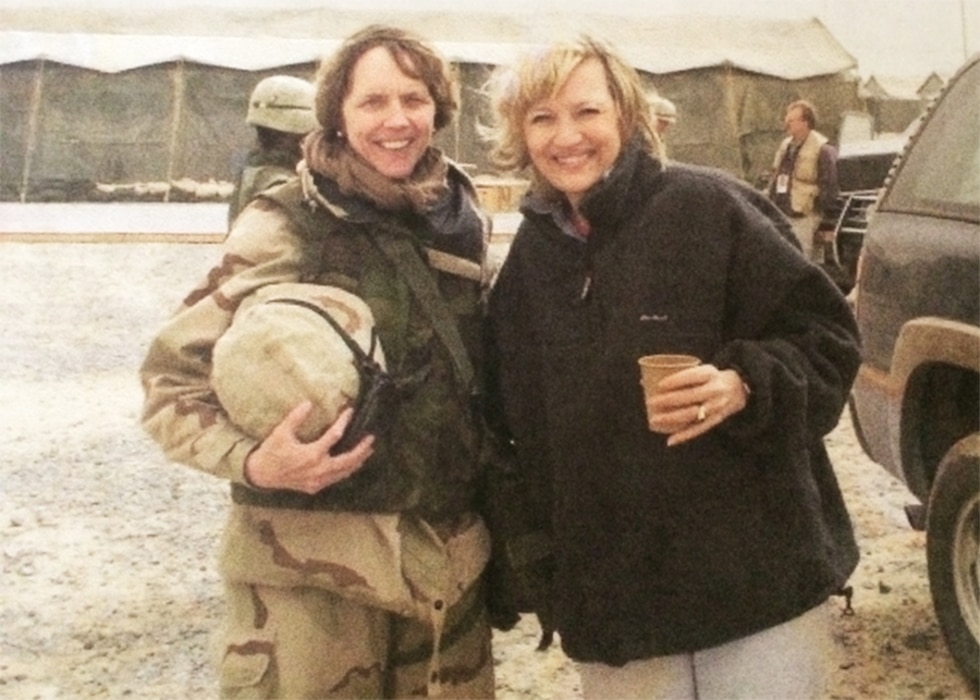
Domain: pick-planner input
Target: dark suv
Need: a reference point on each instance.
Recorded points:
(916, 401)
(862, 168)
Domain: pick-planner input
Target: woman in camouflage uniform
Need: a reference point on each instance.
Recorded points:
(357, 574)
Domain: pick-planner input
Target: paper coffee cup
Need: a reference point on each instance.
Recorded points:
(653, 368)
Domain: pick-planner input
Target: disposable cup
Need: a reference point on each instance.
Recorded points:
(653, 368)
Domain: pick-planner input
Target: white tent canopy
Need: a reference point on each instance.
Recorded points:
(114, 53)
(256, 38)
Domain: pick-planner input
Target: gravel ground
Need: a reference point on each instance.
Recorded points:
(108, 580)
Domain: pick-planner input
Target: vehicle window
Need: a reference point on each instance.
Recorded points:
(941, 172)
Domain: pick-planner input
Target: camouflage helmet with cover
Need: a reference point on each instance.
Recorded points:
(283, 103)
(663, 109)
(276, 355)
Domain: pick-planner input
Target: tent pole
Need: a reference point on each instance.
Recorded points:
(963, 25)
(31, 142)
(176, 115)
(733, 119)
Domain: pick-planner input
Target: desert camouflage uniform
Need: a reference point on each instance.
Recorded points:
(326, 601)
(263, 169)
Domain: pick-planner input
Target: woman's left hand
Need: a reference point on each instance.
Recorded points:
(692, 401)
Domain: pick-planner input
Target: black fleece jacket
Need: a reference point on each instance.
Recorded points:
(664, 550)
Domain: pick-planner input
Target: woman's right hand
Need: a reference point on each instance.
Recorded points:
(282, 461)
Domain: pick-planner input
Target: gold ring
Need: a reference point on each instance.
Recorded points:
(702, 413)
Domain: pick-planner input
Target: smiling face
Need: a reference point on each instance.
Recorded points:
(388, 116)
(573, 138)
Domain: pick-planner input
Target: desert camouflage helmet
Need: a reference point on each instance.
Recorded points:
(664, 109)
(283, 103)
(275, 355)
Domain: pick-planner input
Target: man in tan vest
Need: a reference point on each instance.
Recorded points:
(804, 176)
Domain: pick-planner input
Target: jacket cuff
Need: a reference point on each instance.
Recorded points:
(236, 459)
(753, 420)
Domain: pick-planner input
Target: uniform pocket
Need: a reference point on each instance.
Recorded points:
(245, 665)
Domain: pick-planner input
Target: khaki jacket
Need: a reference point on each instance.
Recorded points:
(393, 561)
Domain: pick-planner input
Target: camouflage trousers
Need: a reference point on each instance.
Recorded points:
(310, 643)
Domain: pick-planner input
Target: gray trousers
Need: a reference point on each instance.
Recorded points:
(790, 660)
(805, 227)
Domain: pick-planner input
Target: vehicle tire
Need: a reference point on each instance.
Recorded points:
(952, 550)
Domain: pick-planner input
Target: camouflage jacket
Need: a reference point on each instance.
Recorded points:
(263, 169)
(424, 544)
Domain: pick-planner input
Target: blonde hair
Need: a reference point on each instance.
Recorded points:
(539, 75)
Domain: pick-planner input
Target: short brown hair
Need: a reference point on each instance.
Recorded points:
(807, 111)
(413, 55)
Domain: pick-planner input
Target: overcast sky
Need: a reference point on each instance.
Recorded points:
(888, 37)
(898, 37)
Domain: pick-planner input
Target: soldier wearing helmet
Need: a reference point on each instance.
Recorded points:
(664, 114)
(281, 110)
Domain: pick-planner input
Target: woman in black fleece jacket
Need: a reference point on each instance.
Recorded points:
(694, 552)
